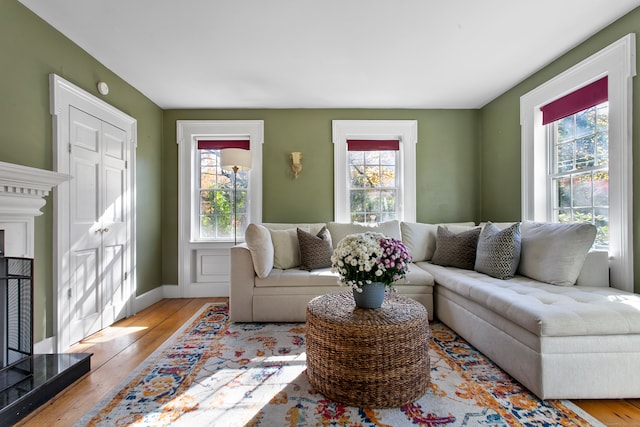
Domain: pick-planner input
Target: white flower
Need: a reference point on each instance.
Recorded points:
(361, 258)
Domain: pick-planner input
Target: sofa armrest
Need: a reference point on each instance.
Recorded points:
(241, 283)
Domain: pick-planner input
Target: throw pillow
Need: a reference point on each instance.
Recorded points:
(498, 252)
(315, 250)
(258, 240)
(286, 250)
(553, 252)
(420, 240)
(456, 250)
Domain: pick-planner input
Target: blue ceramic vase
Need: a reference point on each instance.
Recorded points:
(371, 296)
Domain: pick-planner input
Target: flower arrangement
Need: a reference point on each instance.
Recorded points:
(369, 257)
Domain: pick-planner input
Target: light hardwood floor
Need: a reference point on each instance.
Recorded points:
(121, 348)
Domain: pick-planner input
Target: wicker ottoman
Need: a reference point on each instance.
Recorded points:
(374, 358)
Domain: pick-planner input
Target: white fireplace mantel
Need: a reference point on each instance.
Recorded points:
(22, 194)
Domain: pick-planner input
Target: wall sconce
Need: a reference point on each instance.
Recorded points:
(296, 163)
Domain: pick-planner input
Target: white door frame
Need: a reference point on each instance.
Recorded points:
(64, 94)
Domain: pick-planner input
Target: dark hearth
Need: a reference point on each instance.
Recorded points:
(52, 373)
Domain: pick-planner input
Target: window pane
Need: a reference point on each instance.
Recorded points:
(566, 128)
(356, 157)
(585, 122)
(601, 189)
(357, 201)
(372, 157)
(564, 153)
(582, 191)
(585, 152)
(388, 201)
(602, 119)
(563, 186)
(372, 176)
(388, 157)
(372, 201)
(356, 174)
(207, 226)
(602, 149)
(388, 176)
(583, 215)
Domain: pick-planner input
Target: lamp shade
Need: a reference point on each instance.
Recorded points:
(235, 157)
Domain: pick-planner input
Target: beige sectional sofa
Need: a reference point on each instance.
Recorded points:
(577, 338)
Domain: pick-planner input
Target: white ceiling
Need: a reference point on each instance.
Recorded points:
(329, 53)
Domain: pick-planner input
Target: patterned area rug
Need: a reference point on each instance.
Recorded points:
(216, 373)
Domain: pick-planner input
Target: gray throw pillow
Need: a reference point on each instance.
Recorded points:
(315, 251)
(498, 251)
(456, 250)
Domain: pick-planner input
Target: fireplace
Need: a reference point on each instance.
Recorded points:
(28, 377)
(16, 318)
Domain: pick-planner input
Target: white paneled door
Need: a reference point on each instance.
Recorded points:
(97, 224)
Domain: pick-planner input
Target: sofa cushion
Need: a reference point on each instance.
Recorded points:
(542, 308)
(498, 252)
(297, 278)
(315, 250)
(286, 249)
(595, 270)
(553, 252)
(420, 240)
(258, 240)
(340, 230)
(456, 249)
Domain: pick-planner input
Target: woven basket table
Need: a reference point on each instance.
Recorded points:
(373, 358)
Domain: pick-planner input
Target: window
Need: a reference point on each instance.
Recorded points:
(222, 196)
(564, 171)
(374, 166)
(578, 134)
(207, 190)
(579, 173)
(373, 180)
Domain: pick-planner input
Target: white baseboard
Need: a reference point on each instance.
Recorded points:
(171, 291)
(154, 295)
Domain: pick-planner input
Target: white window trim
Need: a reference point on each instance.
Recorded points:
(406, 131)
(189, 243)
(617, 61)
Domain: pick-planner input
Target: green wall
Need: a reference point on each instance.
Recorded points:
(468, 161)
(447, 165)
(30, 50)
(500, 134)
